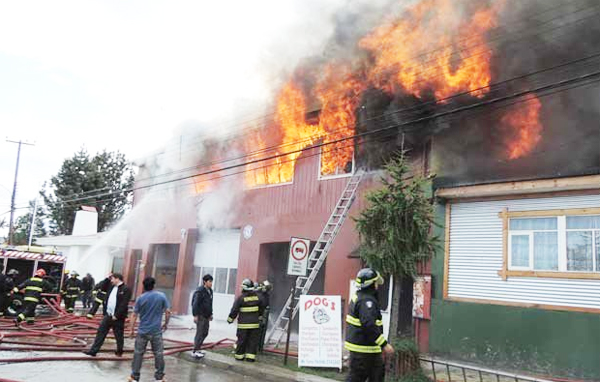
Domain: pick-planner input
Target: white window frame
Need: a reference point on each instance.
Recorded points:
(561, 229)
(529, 235)
(335, 176)
(594, 245)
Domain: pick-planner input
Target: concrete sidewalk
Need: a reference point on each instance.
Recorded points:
(184, 329)
(263, 371)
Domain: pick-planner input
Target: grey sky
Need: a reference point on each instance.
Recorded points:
(122, 76)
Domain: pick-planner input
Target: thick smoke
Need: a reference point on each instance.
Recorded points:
(532, 36)
(295, 36)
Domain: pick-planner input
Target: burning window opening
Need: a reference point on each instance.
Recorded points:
(329, 170)
(432, 51)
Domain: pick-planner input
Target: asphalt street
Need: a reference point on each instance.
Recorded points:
(177, 370)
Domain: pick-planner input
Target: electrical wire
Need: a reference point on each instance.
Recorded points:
(570, 82)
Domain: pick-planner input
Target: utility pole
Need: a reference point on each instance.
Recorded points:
(32, 226)
(14, 193)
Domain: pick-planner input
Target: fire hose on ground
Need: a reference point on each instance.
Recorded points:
(64, 327)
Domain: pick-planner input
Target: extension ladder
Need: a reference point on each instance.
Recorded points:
(316, 259)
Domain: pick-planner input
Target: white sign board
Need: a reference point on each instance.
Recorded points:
(298, 259)
(320, 333)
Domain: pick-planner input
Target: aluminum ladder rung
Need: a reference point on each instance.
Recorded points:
(317, 257)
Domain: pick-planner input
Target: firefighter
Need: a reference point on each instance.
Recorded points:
(264, 294)
(34, 287)
(99, 295)
(7, 283)
(364, 334)
(248, 309)
(71, 290)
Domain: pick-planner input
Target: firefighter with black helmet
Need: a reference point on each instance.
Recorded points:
(264, 294)
(71, 291)
(364, 334)
(33, 287)
(248, 310)
(99, 295)
(7, 283)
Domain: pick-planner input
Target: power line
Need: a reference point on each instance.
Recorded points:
(458, 51)
(288, 153)
(569, 82)
(417, 108)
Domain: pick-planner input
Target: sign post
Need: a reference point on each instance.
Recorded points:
(298, 259)
(320, 334)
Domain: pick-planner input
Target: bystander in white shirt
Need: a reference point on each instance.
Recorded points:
(112, 300)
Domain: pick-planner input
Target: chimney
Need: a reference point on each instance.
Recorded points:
(86, 222)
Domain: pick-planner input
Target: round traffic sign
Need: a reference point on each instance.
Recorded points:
(299, 250)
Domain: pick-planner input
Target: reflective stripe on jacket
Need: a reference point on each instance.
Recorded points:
(365, 327)
(34, 288)
(248, 309)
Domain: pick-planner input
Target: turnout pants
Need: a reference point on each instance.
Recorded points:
(86, 298)
(94, 308)
(141, 342)
(202, 327)
(118, 328)
(247, 344)
(263, 330)
(4, 302)
(28, 312)
(366, 367)
(70, 303)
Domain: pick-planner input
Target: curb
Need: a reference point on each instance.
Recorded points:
(258, 370)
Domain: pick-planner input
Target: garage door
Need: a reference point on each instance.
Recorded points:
(217, 253)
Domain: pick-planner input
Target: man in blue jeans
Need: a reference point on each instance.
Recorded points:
(149, 307)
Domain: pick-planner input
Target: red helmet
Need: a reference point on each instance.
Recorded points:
(40, 272)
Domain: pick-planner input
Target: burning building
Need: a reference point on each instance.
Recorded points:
(498, 100)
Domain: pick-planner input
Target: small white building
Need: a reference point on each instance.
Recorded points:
(87, 250)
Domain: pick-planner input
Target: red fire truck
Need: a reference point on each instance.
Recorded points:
(27, 259)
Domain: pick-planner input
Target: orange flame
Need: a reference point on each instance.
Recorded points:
(525, 128)
(447, 65)
(420, 53)
(339, 92)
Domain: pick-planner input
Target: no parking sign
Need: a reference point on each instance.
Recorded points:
(298, 260)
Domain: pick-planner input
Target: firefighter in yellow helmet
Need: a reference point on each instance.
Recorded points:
(71, 291)
(364, 334)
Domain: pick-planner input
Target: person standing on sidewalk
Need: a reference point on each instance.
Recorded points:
(202, 310)
(115, 313)
(87, 284)
(150, 307)
(248, 310)
(364, 334)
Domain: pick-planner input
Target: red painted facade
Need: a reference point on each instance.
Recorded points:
(276, 213)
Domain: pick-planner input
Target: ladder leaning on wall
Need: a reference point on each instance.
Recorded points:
(316, 259)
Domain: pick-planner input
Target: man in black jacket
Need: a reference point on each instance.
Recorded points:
(87, 284)
(202, 310)
(115, 313)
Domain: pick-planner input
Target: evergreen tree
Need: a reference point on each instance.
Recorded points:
(23, 227)
(103, 181)
(395, 228)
